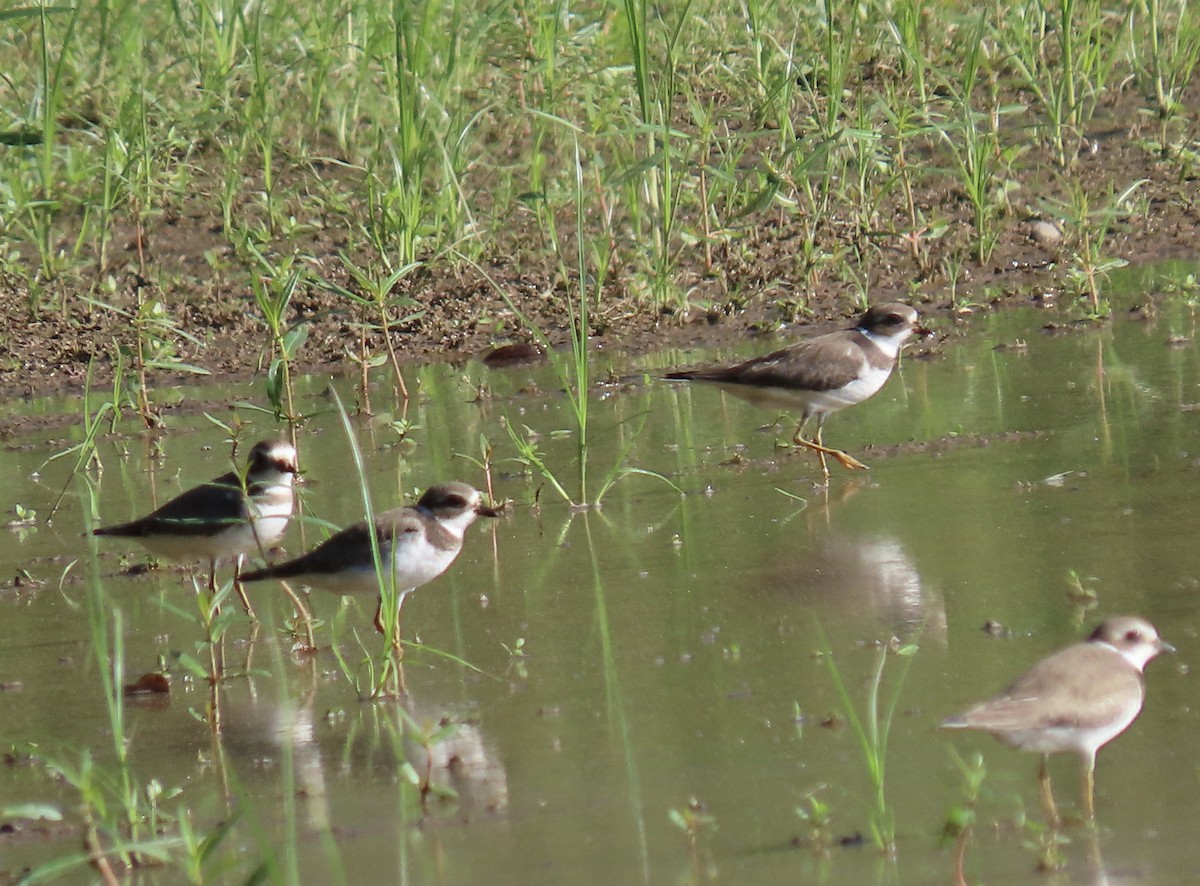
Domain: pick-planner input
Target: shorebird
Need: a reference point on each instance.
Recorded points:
(230, 517)
(820, 375)
(1078, 699)
(416, 545)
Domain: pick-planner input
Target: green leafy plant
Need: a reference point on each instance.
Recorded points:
(1089, 227)
(872, 730)
(273, 290)
(375, 298)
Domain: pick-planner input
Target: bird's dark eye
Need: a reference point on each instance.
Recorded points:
(1132, 636)
(895, 319)
(456, 501)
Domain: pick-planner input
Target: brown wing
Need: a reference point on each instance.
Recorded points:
(1055, 684)
(819, 364)
(351, 545)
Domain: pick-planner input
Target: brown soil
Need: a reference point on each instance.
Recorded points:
(754, 285)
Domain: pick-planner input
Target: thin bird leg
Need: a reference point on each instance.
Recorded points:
(396, 636)
(212, 585)
(301, 613)
(241, 589)
(1089, 786)
(379, 626)
(378, 621)
(844, 459)
(1046, 792)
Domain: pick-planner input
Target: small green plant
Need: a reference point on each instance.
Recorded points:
(413, 176)
(1047, 844)
(975, 147)
(273, 289)
(694, 821)
(214, 622)
(154, 346)
(427, 736)
(516, 658)
(960, 820)
(872, 731)
(1169, 62)
(816, 814)
(375, 298)
(657, 171)
(86, 454)
(1069, 79)
(1081, 594)
(485, 463)
(1089, 227)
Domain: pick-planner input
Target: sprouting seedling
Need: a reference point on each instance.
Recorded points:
(873, 731)
(381, 309)
(693, 819)
(273, 290)
(1082, 594)
(516, 658)
(960, 819)
(817, 815)
(428, 736)
(1047, 843)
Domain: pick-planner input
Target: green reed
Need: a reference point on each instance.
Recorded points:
(872, 730)
(1069, 78)
(1167, 64)
(384, 675)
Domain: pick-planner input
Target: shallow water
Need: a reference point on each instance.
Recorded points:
(671, 644)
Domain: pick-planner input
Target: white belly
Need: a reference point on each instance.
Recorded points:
(408, 565)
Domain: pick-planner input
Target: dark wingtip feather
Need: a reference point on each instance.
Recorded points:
(693, 375)
(290, 569)
(123, 530)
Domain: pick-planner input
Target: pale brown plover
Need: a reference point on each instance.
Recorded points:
(1078, 699)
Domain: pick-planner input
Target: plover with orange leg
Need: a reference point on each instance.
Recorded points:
(820, 375)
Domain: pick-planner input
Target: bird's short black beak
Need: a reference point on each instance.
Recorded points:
(485, 511)
(922, 331)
